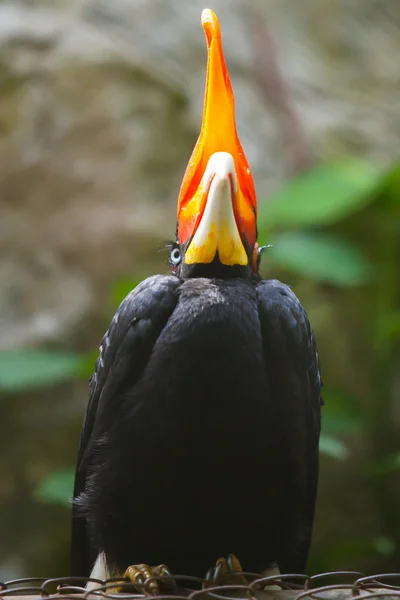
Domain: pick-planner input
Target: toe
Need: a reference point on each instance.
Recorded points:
(234, 564)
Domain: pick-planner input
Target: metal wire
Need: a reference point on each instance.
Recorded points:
(343, 585)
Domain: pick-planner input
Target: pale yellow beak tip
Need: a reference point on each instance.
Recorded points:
(210, 23)
(207, 16)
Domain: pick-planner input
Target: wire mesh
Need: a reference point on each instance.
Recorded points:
(337, 585)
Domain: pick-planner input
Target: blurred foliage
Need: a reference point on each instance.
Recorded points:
(341, 414)
(360, 548)
(337, 225)
(321, 196)
(20, 370)
(121, 289)
(320, 256)
(57, 488)
(340, 225)
(384, 466)
(333, 447)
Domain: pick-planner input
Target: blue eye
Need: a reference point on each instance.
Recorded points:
(175, 256)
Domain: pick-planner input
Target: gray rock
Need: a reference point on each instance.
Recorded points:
(101, 105)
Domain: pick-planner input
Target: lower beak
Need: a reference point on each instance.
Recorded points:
(217, 232)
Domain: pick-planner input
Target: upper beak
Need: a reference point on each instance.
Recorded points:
(217, 208)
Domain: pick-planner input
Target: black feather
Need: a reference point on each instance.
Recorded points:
(201, 434)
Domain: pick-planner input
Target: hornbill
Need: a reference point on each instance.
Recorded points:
(200, 439)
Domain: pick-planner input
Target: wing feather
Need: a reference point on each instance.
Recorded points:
(292, 365)
(123, 354)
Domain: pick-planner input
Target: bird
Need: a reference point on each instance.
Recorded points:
(199, 446)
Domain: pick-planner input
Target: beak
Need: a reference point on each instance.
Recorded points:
(217, 207)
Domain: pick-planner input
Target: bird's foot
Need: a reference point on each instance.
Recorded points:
(226, 572)
(142, 576)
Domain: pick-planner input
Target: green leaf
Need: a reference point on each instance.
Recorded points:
(21, 369)
(121, 289)
(57, 488)
(320, 256)
(332, 447)
(322, 196)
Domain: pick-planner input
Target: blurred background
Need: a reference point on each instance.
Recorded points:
(100, 107)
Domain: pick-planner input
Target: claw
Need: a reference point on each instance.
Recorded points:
(226, 572)
(234, 564)
(142, 575)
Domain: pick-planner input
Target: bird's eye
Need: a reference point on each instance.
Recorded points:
(175, 256)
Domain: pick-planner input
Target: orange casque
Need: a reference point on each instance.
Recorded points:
(218, 134)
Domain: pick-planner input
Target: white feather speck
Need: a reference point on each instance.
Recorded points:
(99, 571)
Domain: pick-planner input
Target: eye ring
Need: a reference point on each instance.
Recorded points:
(175, 256)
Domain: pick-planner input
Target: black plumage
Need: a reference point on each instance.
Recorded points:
(201, 433)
